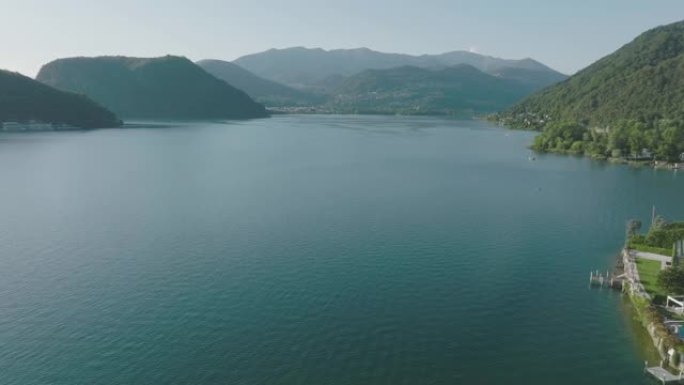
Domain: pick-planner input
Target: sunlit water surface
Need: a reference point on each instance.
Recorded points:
(314, 250)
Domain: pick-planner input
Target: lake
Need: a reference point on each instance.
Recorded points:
(314, 250)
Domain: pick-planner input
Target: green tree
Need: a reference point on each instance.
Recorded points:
(673, 136)
(659, 223)
(618, 139)
(633, 227)
(636, 137)
(672, 280)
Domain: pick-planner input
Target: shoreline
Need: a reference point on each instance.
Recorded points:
(654, 164)
(666, 344)
(647, 158)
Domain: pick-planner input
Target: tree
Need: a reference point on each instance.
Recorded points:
(633, 227)
(659, 223)
(668, 139)
(636, 137)
(672, 280)
(618, 139)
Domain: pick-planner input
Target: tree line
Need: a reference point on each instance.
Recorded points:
(630, 139)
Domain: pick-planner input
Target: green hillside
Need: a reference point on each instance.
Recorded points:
(643, 80)
(625, 103)
(168, 87)
(459, 90)
(24, 100)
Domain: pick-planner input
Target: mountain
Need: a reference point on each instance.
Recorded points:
(629, 105)
(643, 80)
(24, 100)
(303, 67)
(169, 87)
(485, 63)
(300, 67)
(457, 90)
(265, 91)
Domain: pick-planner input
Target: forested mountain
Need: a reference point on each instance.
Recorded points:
(262, 90)
(24, 100)
(306, 68)
(459, 90)
(167, 87)
(629, 103)
(643, 80)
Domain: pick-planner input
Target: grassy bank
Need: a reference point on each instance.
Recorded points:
(652, 318)
(648, 274)
(651, 249)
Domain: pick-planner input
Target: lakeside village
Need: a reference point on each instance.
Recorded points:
(650, 270)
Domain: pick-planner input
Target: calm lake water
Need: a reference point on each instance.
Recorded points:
(314, 250)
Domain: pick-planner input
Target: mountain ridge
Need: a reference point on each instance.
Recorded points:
(641, 80)
(627, 105)
(266, 91)
(170, 87)
(300, 67)
(24, 100)
(461, 90)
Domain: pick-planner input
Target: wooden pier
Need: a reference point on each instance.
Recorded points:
(609, 280)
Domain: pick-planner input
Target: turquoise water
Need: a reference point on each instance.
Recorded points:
(313, 250)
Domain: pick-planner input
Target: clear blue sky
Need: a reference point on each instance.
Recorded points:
(565, 35)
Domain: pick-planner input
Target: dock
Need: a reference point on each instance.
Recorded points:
(664, 376)
(597, 278)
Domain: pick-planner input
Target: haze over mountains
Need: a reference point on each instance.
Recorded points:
(307, 67)
(337, 81)
(461, 90)
(366, 81)
(265, 91)
(169, 87)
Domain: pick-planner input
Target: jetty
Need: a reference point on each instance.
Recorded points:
(664, 376)
(653, 258)
(608, 279)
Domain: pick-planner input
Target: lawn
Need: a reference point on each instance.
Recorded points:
(650, 249)
(648, 274)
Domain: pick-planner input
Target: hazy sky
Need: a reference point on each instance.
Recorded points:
(565, 35)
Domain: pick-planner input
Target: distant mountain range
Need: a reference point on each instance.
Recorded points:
(307, 68)
(366, 81)
(643, 80)
(24, 100)
(337, 81)
(461, 90)
(262, 90)
(169, 87)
